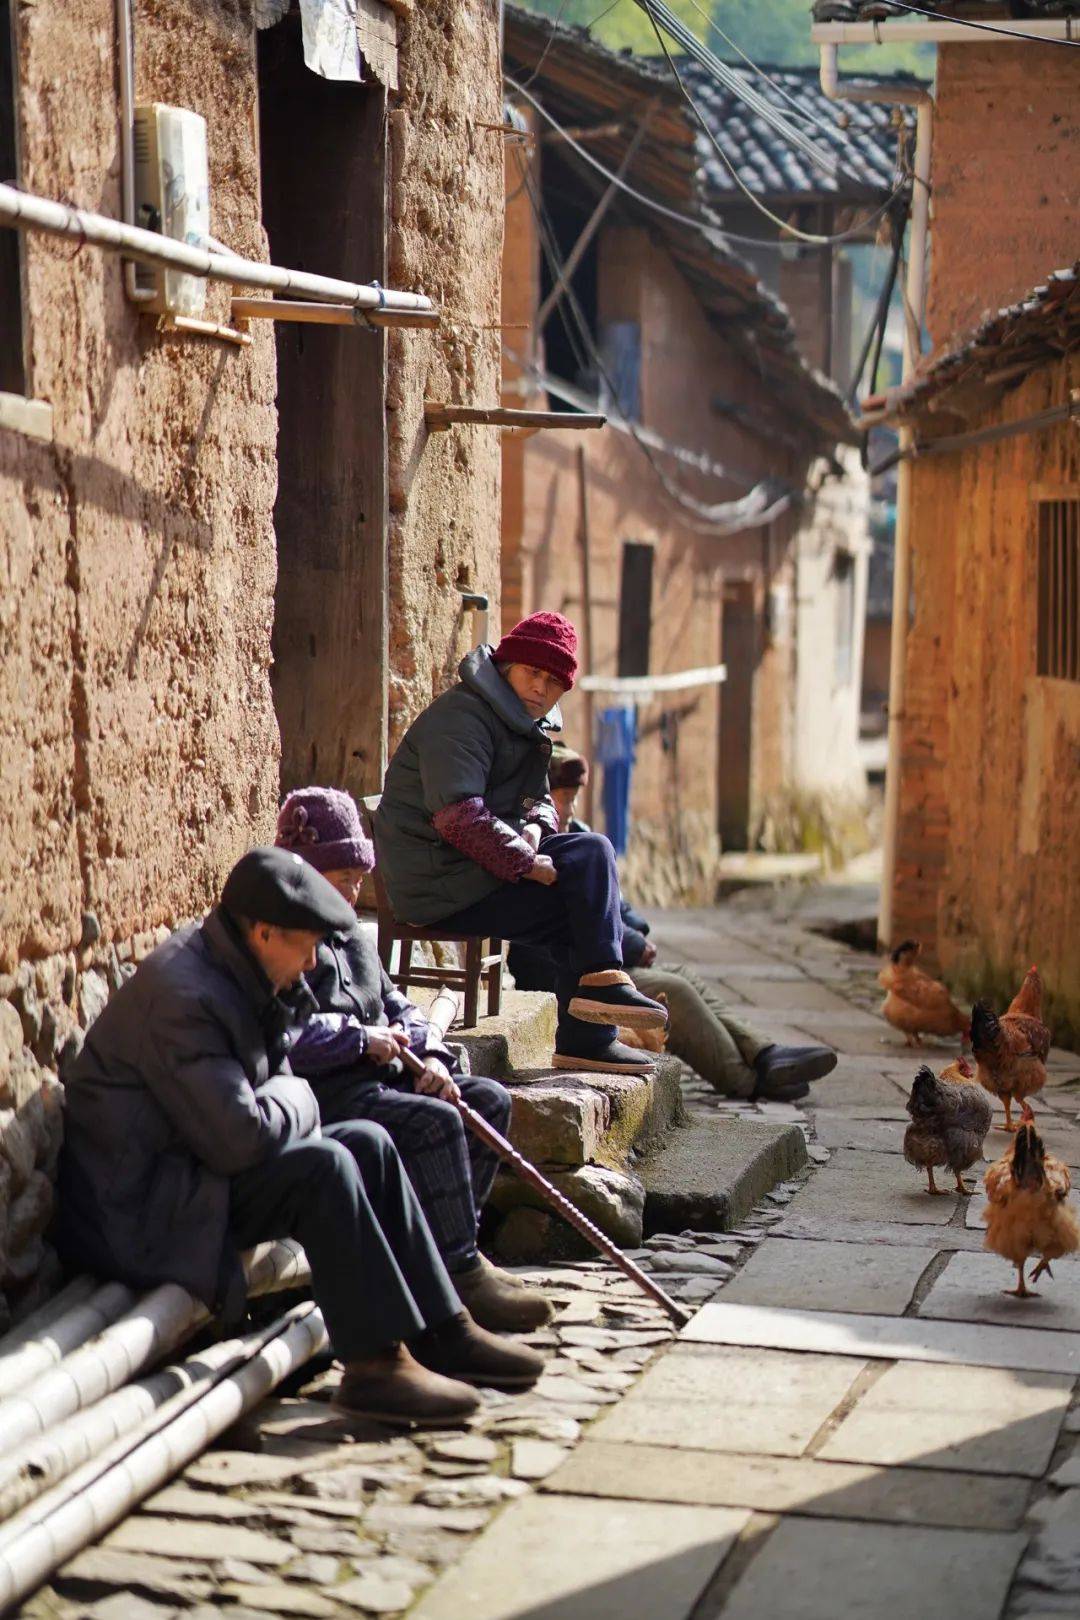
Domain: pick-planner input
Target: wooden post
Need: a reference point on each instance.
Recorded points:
(584, 542)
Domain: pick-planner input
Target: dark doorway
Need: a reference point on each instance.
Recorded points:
(323, 167)
(635, 608)
(740, 650)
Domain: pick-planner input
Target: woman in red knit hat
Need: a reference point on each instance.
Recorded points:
(468, 839)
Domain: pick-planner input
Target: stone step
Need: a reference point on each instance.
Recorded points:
(566, 1118)
(522, 1037)
(710, 1173)
(583, 1131)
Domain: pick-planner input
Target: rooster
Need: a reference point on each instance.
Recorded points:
(1011, 1051)
(1028, 1211)
(915, 1003)
(950, 1117)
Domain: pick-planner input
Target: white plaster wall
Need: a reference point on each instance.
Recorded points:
(826, 752)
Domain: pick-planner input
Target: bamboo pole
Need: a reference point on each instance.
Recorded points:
(288, 309)
(26, 211)
(152, 1327)
(96, 1497)
(73, 1293)
(509, 1154)
(39, 1462)
(96, 1310)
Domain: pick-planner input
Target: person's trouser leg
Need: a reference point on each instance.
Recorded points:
(576, 919)
(750, 1041)
(375, 1270)
(450, 1169)
(699, 1034)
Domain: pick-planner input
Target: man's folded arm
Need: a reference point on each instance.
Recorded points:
(225, 1121)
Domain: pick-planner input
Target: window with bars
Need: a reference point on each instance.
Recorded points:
(1058, 632)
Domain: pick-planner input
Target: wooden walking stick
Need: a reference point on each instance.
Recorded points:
(440, 1017)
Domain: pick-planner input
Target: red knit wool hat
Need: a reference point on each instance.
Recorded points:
(543, 641)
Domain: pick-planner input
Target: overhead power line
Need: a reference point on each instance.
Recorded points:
(983, 27)
(711, 230)
(651, 9)
(661, 16)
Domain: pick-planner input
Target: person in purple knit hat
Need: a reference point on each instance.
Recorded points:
(348, 1052)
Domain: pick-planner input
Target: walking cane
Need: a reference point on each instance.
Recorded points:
(440, 1017)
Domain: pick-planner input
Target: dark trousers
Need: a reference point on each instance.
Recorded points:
(576, 920)
(376, 1274)
(451, 1170)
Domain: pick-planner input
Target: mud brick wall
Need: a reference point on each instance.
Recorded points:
(138, 745)
(446, 240)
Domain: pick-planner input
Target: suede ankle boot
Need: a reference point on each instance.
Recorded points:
(611, 997)
(392, 1387)
(459, 1348)
(499, 1302)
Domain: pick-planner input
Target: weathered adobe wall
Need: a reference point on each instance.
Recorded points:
(138, 746)
(1005, 177)
(446, 241)
(990, 772)
(684, 361)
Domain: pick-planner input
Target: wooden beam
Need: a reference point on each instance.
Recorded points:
(288, 309)
(440, 416)
(592, 225)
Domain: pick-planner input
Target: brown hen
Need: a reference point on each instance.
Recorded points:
(950, 1117)
(915, 1003)
(1028, 1211)
(1011, 1051)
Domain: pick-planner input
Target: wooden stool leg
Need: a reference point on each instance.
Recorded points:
(386, 939)
(405, 964)
(495, 972)
(473, 952)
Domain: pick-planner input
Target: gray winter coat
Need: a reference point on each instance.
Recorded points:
(183, 1081)
(475, 741)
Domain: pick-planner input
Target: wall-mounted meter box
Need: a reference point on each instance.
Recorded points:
(172, 195)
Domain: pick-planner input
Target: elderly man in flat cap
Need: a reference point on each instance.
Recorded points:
(188, 1139)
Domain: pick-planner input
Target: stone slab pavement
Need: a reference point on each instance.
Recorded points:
(902, 1440)
(856, 1423)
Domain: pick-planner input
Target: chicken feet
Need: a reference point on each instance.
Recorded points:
(1043, 1265)
(1022, 1291)
(932, 1186)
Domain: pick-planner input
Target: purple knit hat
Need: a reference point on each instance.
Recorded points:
(323, 825)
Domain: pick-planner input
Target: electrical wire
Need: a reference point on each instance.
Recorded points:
(701, 516)
(549, 42)
(802, 112)
(983, 27)
(711, 230)
(810, 237)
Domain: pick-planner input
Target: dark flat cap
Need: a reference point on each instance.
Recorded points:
(278, 886)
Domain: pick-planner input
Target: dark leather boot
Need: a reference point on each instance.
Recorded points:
(461, 1349)
(392, 1387)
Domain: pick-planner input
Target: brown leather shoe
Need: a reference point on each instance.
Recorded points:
(392, 1387)
(461, 1349)
(498, 1301)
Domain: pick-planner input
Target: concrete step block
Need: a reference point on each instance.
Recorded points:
(522, 1037)
(709, 1174)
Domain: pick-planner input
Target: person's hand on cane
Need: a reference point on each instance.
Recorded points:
(436, 1081)
(384, 1045)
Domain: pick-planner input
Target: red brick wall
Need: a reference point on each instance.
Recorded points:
(989, 848)
(1006, 181)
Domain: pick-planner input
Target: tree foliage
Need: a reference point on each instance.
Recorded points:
(769, 31)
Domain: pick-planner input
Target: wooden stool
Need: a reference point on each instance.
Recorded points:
(481, 967)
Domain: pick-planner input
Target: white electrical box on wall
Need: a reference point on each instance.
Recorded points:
(172, 195)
